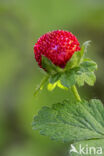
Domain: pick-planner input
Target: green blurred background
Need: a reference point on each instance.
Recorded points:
(21, 24)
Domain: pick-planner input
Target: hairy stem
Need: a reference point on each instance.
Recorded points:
(75, 92)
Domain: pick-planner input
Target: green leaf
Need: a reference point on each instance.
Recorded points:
(41, 85)
(72, 122)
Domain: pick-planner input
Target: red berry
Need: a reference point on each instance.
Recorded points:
(58, 46)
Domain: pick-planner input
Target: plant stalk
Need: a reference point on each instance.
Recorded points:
(75, 92)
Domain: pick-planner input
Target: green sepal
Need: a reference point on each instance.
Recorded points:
(41, 85)
(54, 78)
(83, 51)
(77, 57)
(49, 66)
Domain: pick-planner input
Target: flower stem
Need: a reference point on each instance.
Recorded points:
(75, 92)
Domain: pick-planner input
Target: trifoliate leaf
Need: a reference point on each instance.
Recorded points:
(72, 121)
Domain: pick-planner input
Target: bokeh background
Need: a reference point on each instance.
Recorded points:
(21, 24)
